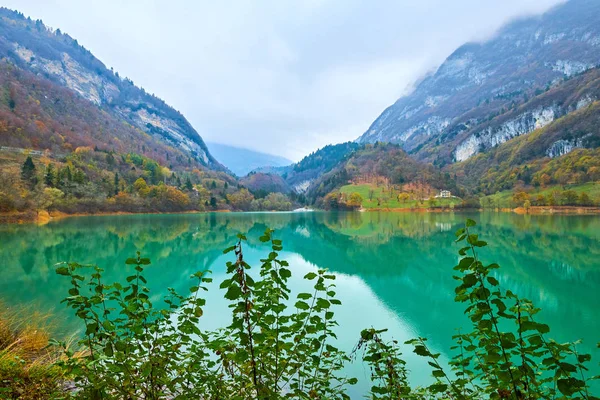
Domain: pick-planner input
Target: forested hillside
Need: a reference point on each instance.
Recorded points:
(37, 114)
(301, 175)
(551, 155)
(77, 138)
(380, 164)
(56, 56)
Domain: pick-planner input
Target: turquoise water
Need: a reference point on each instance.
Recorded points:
(394, 269)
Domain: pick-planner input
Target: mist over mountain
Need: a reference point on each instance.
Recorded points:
(241, 161)
(446, 118)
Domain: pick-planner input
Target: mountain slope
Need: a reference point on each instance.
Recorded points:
(242, 161)
(301, 175)
(567, 151)
(36, 113)
(479, 80)
(376, 164)
(261, 184)
(57, 57)
(529, 114)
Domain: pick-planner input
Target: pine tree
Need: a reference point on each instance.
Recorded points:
(116, 183)
(79, 176)
(110, 159)
(68, 175)
(188, 184)
(28, 172)
(50, 176)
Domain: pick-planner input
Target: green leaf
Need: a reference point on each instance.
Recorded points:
(322, 303)
(470, 280)
(62, 271)
(229, 249)
(310, 276)
(234, 292)
(131, 261)
(421, 351)
(581, 358)
(91, 328)
(438, 373)
(569, 386)
(543, 328)
(285, 273)
(302, 305)
(438, 388)
(493, 281)
(108, 326)
(470, 223)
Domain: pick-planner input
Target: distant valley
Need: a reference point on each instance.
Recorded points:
(242, 161)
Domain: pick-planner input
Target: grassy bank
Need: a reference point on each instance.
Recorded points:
(382, 198)
(506, 199)
(27, 364)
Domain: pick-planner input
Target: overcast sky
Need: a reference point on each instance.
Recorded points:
(281, 76)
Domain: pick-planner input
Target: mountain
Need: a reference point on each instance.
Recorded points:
(242, 161)
(453, 114)
(262, 184)
(77, 138)
(378, 163)
(301, 175)
(514, 153)
(54, 56)
(565, 151)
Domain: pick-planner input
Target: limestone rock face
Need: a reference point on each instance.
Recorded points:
(564, 146)
(492, 137)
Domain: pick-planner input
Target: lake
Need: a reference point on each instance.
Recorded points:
(394, 269)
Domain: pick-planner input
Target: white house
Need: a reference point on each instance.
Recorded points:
(444, 194)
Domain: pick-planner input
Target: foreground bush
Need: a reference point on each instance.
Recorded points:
(282, 345)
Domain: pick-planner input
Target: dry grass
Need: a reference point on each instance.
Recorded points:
(27, 363)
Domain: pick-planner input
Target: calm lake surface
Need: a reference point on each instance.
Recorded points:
(394, 269)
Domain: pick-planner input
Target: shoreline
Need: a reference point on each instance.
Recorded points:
(44, 217)
(533, 210)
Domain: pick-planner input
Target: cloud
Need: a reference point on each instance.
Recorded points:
(280, 77)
